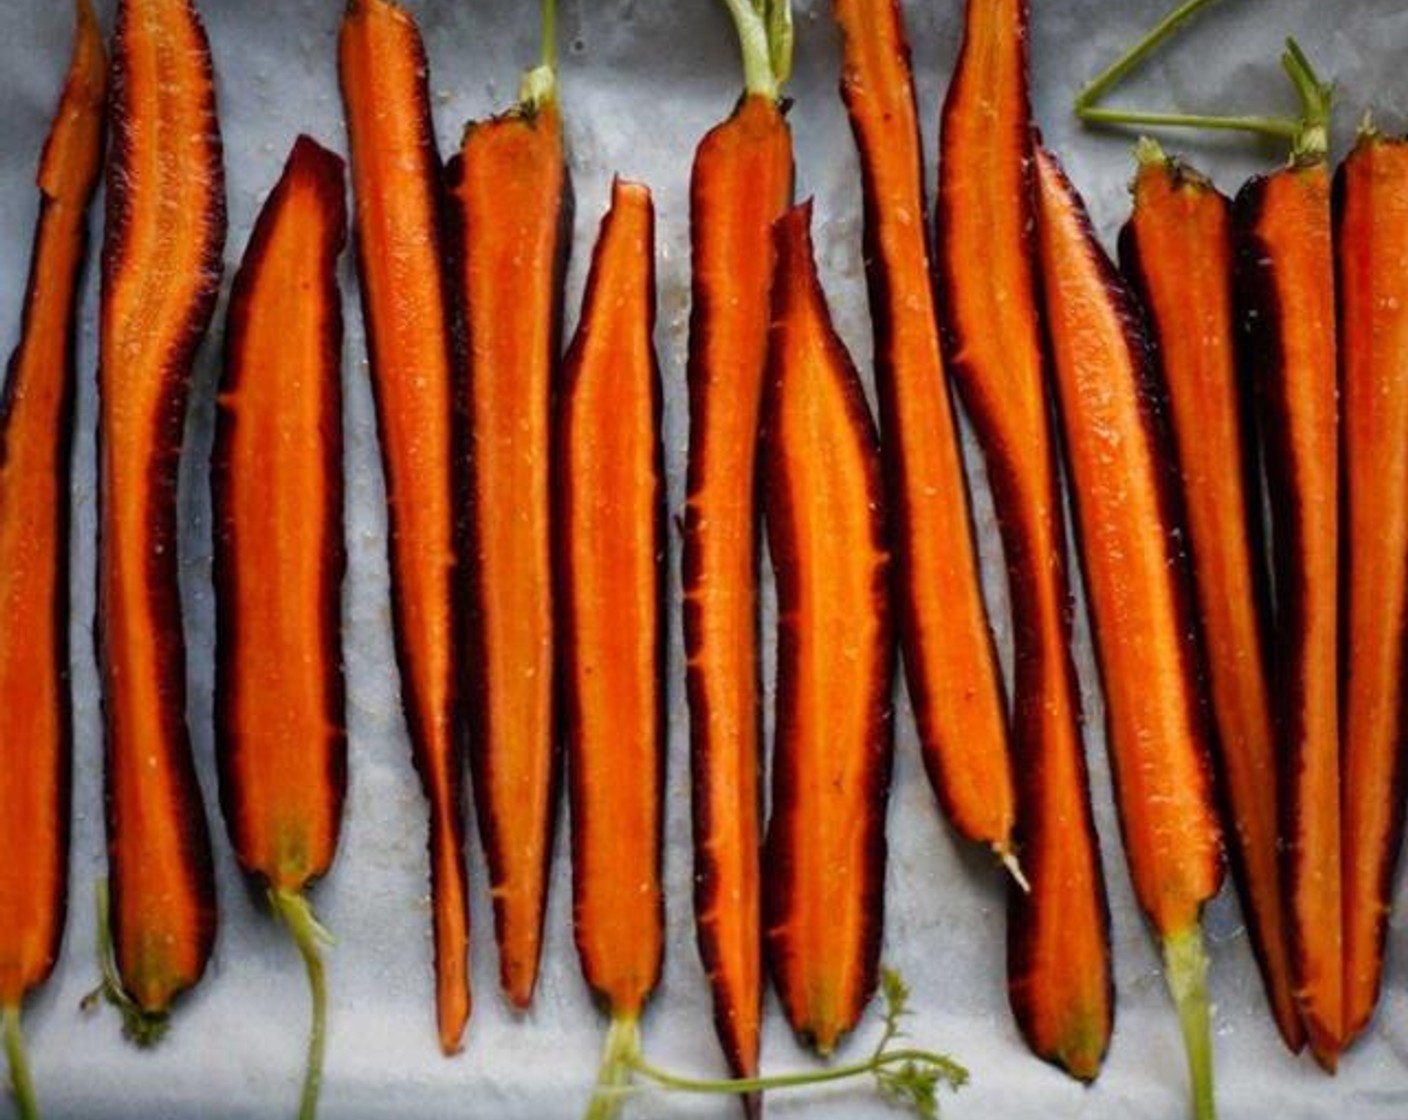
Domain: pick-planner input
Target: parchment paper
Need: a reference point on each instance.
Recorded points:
(641, 81)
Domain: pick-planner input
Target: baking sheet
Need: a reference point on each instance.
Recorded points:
(641, 81)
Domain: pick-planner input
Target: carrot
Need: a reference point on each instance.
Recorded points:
(1286, 277)
(161, 271)
(610, 529)
(36, 433)
(1123, 473)
(1058, 940)
(954, 682)
(741, 183)
(1371, 239)
(276, 480)
(512, 212)
(396, 182)
(825, 515)
(1177, 250)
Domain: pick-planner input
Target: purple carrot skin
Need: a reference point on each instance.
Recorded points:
(823, 496)
(1287, 293)
(276, 481)
(396, 176)
(951, 665)
(1059, 974)
(165, 232)
(36, 434)
(1177, 250)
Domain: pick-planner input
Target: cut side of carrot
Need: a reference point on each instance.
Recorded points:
(610, 493)
(36, 437)
(1124, 482)
(396, 177)
(161, 273)
(1177, 251)
(1287, 285)
(511, 205)
(1059, 973)
(742, 181)
(824, 499)
(279, 554)
(955, 685)
(1372, 254)
(276, 481)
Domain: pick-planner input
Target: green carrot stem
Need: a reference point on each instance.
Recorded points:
(951, 1070)
(1186, 971)
(539, 85)
(294, 910)
(21, 1084)
(618, 1058)
(759, 77)
(1118, 70)
(1312, 140)
(1282, 128)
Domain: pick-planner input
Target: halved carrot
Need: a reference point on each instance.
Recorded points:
(36, 433)
(1372, 255)
(1058, 940)
(511, 204)
(825, 515)
(276, 480)
(1177, 250)
(610, 491)
(954, 682)
(741, 183)
(1123, 476)
(1286, 276)
(396, 179)
(161, 272)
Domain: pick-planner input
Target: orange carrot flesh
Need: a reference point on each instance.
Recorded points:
(1134, 564)
(1177, 249)
(824, 501)
(1287, 279)
(279, 557)
(161, 272)
(1372, 254)
(610, 490)
(36, 425)
(950, 662)
(396, 178)
(1059, 974)
(742, 180)
(1123, 477)
(511, 204)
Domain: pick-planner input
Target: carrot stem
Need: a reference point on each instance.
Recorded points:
(539, 85)
(619, 1057)
(1118, 70)
(21, 1084)
(294, 910)
(1186, 972)
(761, 73)
(1283, 128)
(145, 1028)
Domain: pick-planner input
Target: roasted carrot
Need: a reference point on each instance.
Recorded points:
(1372, 254)
(512, 213)
(161, 272)
(950, 663)
(1123, 476)
(396, 181)
(823, 497)
(1286, 279)
(1058, 939)
(1176, 249)
(609, 495)
(276, 480)
(36, 434)
(741, 183)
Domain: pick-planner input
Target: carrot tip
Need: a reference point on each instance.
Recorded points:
(139, 1025)
(1007, 856)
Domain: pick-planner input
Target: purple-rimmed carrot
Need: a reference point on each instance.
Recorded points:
(36, 429)
(396, 176)
(1059, 974)
(276, 479)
